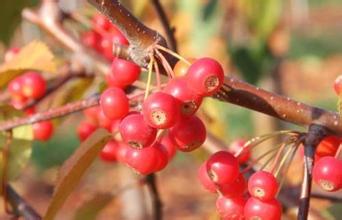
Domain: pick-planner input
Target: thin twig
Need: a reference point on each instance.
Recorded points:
(315, 134)
(157, 204)
(50, 114)
(169, 31)
(20, 206)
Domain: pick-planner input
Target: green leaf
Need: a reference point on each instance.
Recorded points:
(24, 132)
(10, 16)
(90, 209)
(74, 168)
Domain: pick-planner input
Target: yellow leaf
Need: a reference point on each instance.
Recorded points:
(24, 132)
(74, 168)
(34, 56)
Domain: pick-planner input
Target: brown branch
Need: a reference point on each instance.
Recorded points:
(243, 94)
(169, 31)
(315, 134)
(50, 114)
(20, 206)
(157, 204)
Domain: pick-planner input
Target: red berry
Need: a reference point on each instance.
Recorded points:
(338, 85)
(263, 185)
(33, 85)
(188, 101)
(143, 160)
(136, 132)
(161, 110)
(30, 111)
(188, 134)
(238, 145)
(104, 121)
(43, 130)
(15, 87)
(256, 209)
(106, 47)
(91, 39)
(223, 167)
(327, 173)
(100, 21)
(19, 102)
(236, 188)
(114, 103)
(85, 129)
(230, 208)
(121, 152)
(328, 146)
(109, 151)
(123, 73)
(92, 114)
(169, 145)
(205, 76)
(204, 178)
(162, 157)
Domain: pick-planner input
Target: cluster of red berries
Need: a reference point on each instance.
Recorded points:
(220, 173)
(149, 138)
(25, 88)
(327, 171)
(102, 36)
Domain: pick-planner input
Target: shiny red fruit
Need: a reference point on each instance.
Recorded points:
(85, 129)
(104, 121)
(204, 178)
(136, 132)
(123, 73)
(92, 114)
(236, 188)
(263, 185)
(144, 160)
(257, 209)
(33, 85)
(328, 146)
(169, 145)
(338, 85)
(230, 208)
(327, 173)
(162, 157)
(43, 130)
(188, 101)
(188, 134)
(91, 39)
(114, 103)
(15, 87)
(161, 110)
(205, 76)
(223, 167)
(109, 151)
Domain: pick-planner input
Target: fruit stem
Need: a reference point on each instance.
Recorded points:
(165, 64)
(159, 47)
(149, 77)
(156, 67)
